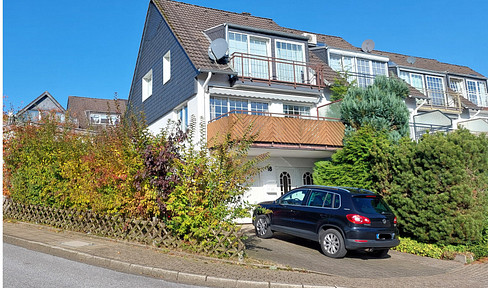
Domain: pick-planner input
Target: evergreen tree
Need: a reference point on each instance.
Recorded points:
(380, 106)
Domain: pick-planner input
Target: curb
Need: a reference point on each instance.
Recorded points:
(126, 267)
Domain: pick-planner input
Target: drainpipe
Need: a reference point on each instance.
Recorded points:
(205, 90)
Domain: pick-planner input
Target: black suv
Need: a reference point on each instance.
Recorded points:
(339, 218)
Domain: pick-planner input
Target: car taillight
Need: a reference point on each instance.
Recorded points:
(358, 219)
(395, 220)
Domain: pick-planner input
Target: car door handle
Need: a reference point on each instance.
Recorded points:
(323, 215)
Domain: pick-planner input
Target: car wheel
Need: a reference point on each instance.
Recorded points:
(262, 227)
(332, 243)
(380, 253)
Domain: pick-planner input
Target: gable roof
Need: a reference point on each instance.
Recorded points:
(430, 64)
(78, 107)
(189, 22)
(44, 102)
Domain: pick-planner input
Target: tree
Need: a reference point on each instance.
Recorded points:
(438, 187)
(380, 106)
(352, 166)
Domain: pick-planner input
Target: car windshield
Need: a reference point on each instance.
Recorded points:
(370, 205)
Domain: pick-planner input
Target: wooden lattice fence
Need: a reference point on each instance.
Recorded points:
(221, 243)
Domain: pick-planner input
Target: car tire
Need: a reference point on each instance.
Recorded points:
(380, 253)
(332, 243)
(262, 227)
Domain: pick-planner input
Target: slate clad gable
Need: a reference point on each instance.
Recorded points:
(158, 39)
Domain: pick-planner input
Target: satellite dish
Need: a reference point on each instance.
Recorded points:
(411, 60)
(218, 49)
(367, 46)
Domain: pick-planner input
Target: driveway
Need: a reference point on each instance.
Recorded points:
(296, 253)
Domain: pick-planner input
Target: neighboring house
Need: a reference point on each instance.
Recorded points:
(232, 69)
(93, 113)
(39, 108)
(452, 95)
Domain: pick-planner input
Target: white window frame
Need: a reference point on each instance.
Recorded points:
(147, 85)
(299, 110)
(431, 93)
(355, 64)
(248, 51)
(166, 67)
(249, 106)
(182, 116)
(304, 57)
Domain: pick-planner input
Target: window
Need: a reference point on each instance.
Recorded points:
(296, 110)
(360, 69)
(307, 178)
(285, 182)
(364, 75)
(238, 106)
(147, 83)
(477, 92)
(317, 199)
(435, 90)
(183, 117)
(255, 66)
(259, 107)
(286, 70)
(220, 106)
(295, 198)
(104, 118)
(166, 67)
(415, 80)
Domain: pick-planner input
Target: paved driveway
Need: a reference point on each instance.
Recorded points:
(298, 253)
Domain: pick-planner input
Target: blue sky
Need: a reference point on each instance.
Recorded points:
(89, 48)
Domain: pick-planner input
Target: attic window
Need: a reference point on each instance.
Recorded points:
(147, 83)
(166, 67)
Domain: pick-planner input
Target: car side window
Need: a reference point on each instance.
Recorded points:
(294, 198)
(337, 201)
(328, 200)
(317, 199)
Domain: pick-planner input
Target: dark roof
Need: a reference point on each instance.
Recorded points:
(189, 21)
(79, 106)
(429, 64)
(35, 104)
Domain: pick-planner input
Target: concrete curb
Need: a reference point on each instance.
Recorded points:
(168, 275)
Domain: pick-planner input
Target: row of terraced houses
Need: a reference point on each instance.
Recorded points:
(232, 69)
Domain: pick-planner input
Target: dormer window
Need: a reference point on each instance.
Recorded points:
(360, 69)
(477, 92)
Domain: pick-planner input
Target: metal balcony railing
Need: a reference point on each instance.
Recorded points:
(275, 70)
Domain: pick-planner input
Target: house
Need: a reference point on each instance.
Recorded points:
(39, 108)
(268, 77)
(94, 113)
(232, 69)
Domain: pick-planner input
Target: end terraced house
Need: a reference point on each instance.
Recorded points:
(224, 67)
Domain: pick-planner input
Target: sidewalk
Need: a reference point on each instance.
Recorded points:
(189, 269)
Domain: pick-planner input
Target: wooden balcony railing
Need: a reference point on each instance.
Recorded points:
(315, 132)
(277, 71)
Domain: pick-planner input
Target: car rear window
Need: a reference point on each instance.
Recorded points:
(370, 204)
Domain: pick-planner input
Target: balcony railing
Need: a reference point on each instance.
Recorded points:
(442, 100)
(420, 129)
(275, 70)
(278, 129)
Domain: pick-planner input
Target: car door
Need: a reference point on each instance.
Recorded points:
(285, 212)
(315, 212)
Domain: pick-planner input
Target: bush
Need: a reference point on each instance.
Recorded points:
(438, 187)
(352, 165)
(210, 187)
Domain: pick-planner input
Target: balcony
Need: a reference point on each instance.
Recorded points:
(279, 130)
(271, 70)
(449, 101)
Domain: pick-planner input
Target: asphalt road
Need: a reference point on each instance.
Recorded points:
(25, 268)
